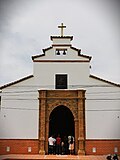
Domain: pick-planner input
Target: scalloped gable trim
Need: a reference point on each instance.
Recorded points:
(37, 56)
(76, 49)
(79, 53)
(15, 82)
(41, 55)
(103, 80)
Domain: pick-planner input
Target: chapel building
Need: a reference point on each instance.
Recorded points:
(61, 97)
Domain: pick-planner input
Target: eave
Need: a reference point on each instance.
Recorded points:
(15, 82)
(103, 80)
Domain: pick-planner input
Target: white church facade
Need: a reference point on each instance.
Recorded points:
(61, 97)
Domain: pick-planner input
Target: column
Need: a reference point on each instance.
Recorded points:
(76, 135)
(42, 106)
(46, 135)
(81, 123)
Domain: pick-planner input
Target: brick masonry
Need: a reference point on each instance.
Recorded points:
(74, 100)
(102, 147)
(18, 146)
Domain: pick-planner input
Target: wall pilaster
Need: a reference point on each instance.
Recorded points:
(42, 109)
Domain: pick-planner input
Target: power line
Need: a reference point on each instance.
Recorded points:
(56, 97)
(12, 108)
(72, 86)
(104, 99)
(20, 99)
(89, 110)
(87, 93)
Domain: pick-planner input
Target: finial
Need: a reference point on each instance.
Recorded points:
(62, 27)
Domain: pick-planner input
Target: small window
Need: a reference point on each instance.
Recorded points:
(61, 51)
(7, 149)
(29, 149)
(115, 149)
(94, 149)
(61, 81)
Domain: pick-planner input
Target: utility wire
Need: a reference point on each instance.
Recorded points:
(89, 110)
(72, 86)
(36, 91)
(56, 97)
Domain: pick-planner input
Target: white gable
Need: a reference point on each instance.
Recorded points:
(71, 54)
(62, 49)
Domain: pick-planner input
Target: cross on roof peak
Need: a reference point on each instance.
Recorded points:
(62, 27)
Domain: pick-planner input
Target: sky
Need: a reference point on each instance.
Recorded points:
(26, 27)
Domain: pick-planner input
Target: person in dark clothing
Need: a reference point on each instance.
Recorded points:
(58, 145)
(65, 140)
(115, 157)
(109, 157)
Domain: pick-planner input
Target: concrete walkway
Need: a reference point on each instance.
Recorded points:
(51, 157)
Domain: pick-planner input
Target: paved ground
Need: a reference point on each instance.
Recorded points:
(51, 157)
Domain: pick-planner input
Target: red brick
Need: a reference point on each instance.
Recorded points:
(19, 146)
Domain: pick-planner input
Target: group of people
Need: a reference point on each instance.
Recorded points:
(60, 145)
(112, 157)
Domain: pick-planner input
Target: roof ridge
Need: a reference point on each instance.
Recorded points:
(101, 79)
(15, 82)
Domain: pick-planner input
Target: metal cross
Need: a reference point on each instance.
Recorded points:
(62, 27)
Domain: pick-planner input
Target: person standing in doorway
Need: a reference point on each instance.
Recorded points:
(58, 145)
(65, 140)
(51, 142)
(71, 144)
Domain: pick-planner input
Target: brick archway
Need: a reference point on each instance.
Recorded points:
(75, 101)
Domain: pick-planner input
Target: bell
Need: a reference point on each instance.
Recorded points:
(58, 53)
(64, 53)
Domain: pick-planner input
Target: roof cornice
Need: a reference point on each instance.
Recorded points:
(63, 61)
(103, 80)
(37, 56)
(61, 37)
(15, 82)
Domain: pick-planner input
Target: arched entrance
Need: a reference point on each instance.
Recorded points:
(63, 112)
(61, 121)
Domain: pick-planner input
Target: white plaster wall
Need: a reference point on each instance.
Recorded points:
(77, 73)
(18, 124)
(102, 99)
(102, 111)
(19, 113)
(19, 118)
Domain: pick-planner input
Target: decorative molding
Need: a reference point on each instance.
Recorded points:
(61, 45)
(37, 56)
(62, 61)
(61, 37)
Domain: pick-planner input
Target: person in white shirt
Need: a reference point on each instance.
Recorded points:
(51, 142)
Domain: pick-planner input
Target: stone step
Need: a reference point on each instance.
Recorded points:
(50, 157)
